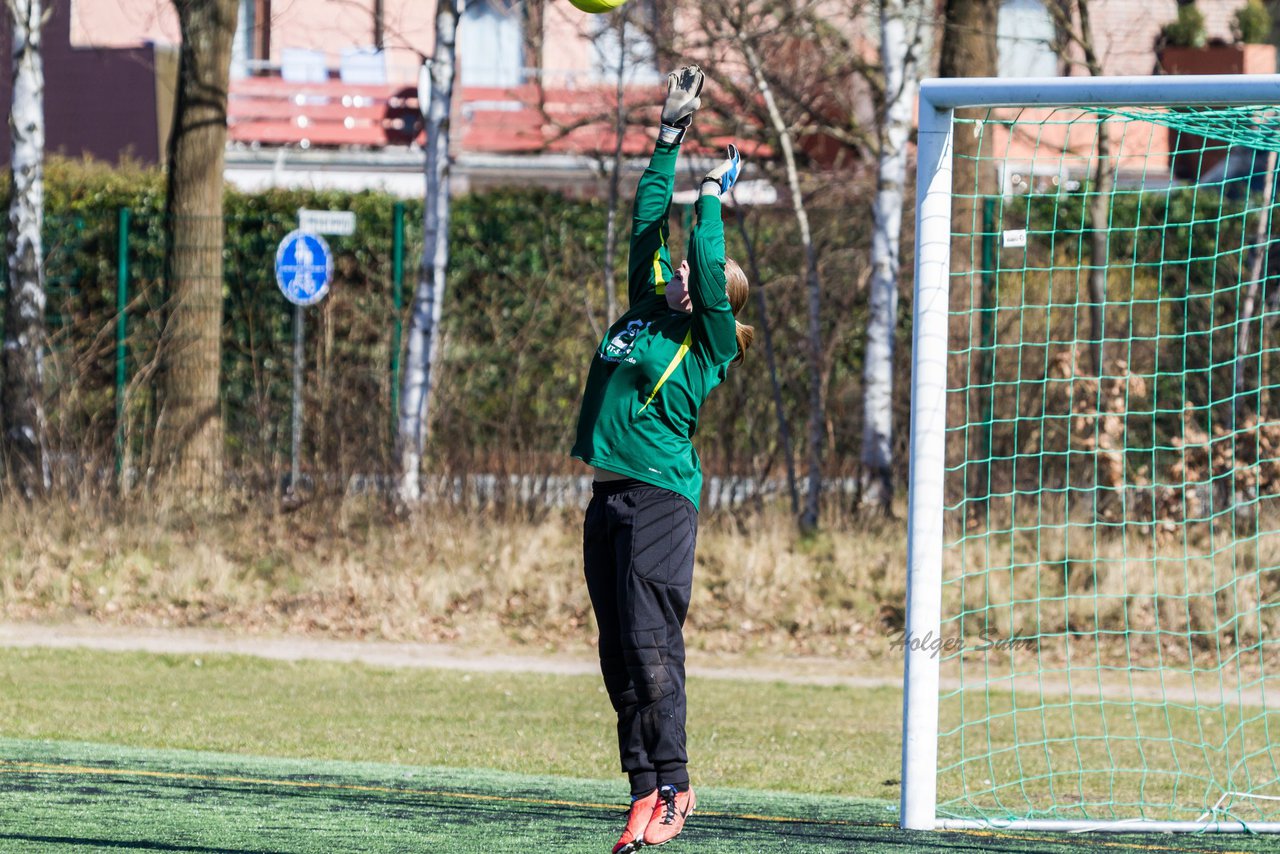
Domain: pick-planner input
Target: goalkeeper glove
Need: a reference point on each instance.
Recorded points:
(683, 87)
(722, 178)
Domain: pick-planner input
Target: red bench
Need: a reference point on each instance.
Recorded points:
(518, 120)
(271, 111)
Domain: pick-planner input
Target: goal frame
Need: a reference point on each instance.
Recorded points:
(938, 101)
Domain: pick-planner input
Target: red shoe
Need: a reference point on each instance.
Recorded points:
(668, 815)
(637, 819)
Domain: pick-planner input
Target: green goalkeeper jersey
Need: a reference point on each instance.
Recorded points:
(656, 365)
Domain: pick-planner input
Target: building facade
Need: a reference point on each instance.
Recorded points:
(324, 92)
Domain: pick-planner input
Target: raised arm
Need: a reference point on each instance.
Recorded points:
(712, 315)
(649, 266)
(713, 324)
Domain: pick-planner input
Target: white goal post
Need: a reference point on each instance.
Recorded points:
(1093, 766)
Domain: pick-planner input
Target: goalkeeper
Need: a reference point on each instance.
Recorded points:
(647, 381)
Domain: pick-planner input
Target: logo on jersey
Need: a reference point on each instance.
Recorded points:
(616, 348)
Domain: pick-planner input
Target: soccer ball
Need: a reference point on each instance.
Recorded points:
(596, 7)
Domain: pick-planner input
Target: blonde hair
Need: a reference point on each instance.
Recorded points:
(735, 286)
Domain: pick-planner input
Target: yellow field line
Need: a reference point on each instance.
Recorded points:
(11, 767)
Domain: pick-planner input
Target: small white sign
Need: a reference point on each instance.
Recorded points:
(327, 222)
(1015, 238)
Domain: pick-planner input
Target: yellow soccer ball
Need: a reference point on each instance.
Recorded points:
(597, 7)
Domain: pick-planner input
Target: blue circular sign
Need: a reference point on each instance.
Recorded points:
(304, 267)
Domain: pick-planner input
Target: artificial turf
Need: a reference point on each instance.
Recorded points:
(62, 797)
(123, 752)
(804, 738)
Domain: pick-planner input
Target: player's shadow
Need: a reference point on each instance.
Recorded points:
(119, 844)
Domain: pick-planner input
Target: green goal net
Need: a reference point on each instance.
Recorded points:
(1108, 640)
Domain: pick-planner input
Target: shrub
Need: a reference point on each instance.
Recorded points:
(1252, 23)
(1187, 30)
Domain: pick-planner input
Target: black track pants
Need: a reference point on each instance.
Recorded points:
(638, 543)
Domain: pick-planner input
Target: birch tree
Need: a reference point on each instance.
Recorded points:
(423, 356)
(25, 441)
(813, 285)
(903, 46)
(189, 433)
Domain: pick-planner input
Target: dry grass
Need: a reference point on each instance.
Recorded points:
(1186, 617)
(350, 569)
(761, 585)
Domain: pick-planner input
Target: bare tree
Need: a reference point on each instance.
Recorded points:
(1076, 31)
(903, 46)
(189, 433)
(1074, 24)
(22, 402)
(615, 39)
(792, 69)
(815, 65)
(619, 28)
(423, 354)
(1255, 265)
(1104, 177)
(770, 355)
(743, 23)
(813, 284)
(968, 50)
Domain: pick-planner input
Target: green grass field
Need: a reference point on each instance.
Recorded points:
(112, 752)
(803, 738)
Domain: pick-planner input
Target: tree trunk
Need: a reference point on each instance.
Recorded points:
(189, 428)
(1099, 250)
(1099, 237)
(1246, 392)
(901, 46)
(968, 43)
(968, 50)
(423, 356)
(22, 403)
(817, 419)
(1099, 211)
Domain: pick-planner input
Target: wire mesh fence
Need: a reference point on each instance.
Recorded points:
(523, 312)
(109, 308)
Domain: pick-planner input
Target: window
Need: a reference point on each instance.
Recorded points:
(634, 51)
(490, 44)
(251, 47)
(242, 44)
(1025, 40)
